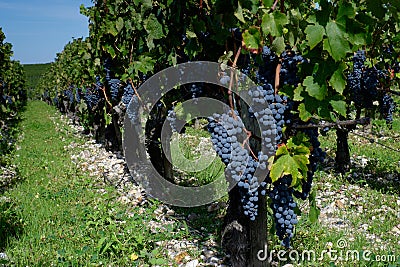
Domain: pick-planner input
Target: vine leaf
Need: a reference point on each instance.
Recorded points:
(339, 106)
(119, 24)
(239, 13)
(252, 38)
(314, 89)
(291, 160)
(338, 80)
(314, 34)
(336, 44)
(346, 10)
(274, 23)
(278, 45)
(304, 114)
(154, 30)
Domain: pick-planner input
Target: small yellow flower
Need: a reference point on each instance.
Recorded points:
(134, 257)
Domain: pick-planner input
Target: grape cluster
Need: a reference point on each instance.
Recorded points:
(289, 67)
(283, 206)
(69, 95)
(114, 88)
(133, 110)
(220, 139)
(354, 79)
(227, 134)
(7, 99)
(387, 107)
(270, 109)
(92, 98)
(267, 68)
(78, 93)
(370, 84)
(128, 93)
(196, 91)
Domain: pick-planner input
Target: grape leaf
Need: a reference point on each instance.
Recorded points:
(239, 13)
(252, 38)
(314, 34)
(285, 165)
(338, 80)
(297, 93)
(268, 3)
(339, 106)
(153, 27)
(303, 112)
(119, 24)
(278, 45)
(273, 23)
(346, 10)
(314, 89)
(314, 214)
(336, 44)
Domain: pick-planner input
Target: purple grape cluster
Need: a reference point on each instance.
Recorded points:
(114, 88)
(283, 206)
(128, 94)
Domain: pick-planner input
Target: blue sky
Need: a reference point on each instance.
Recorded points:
(38, 29)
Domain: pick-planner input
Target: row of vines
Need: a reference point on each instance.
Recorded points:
(12, 97)
(318, 65)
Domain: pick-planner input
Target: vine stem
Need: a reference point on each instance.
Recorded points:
(105, 95)
(274, 5)
(231, 81)
(246, 141)
(137, 94)
(337, 124)
(277, 77)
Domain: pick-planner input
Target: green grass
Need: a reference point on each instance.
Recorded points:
(62, 217)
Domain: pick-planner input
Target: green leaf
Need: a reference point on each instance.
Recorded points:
(303, 112)
(302, 161)
(252, 38)
(314, 214)
(278, 45)
(313, 89)
(346, 10)
(268, 3)
(111, 29)
(357, 39)
(314, 34)
(297, 93)
(153, 27)
(339, 106)
(273, 23)
(190, 34)
(336, 44)
(282, 150)
(285, 165)
(338, 80)
(239, 13)
(119, 24)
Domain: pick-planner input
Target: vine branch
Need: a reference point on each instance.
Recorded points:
(338, 124)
